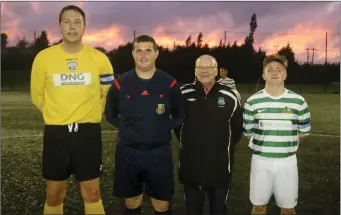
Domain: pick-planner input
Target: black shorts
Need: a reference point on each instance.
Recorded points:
(72, 149)
(149, 170)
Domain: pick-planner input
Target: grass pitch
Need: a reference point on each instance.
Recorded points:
(23, 189)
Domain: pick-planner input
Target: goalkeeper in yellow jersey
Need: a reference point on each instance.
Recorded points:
(69, 83)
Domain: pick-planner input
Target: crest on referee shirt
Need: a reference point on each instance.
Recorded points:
(160, 109)
(72, 65)
(221, 101)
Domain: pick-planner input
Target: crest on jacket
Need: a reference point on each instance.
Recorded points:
(160, 109)
(221, 102)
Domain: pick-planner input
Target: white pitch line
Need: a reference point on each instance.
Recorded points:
(40, 135)
(115, 131)
(324, 135)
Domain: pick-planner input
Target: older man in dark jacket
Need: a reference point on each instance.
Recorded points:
(212, 128)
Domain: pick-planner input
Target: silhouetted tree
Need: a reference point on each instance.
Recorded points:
(253, 25)
(206, 46)
(199, 40)
(22, 44)
(261, 55)
(188, 41)
(243, 62)
(4, 40)
(121, 58)
(42, 42)
(288, 53)
(293, 69)
(221, 43)
(235, 44)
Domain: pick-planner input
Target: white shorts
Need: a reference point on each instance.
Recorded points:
(278, 176)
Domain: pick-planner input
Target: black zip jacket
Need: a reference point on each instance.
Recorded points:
(209, 134)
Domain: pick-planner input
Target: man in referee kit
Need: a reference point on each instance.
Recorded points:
(139, 104)
(276, 120)
(208, 136)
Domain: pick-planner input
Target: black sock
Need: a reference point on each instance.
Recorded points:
(167, 212)
(132, 211)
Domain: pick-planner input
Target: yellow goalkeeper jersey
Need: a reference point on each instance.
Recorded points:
(71, 88)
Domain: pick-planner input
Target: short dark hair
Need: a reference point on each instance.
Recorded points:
(145, 38)
(223, 68)
(277, 58)
(71, 7)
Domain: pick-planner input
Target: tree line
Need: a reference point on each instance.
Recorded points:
(243, 62)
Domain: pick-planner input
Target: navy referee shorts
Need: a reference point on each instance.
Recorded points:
(144, 170)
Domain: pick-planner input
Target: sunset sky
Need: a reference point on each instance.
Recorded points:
(109, 24)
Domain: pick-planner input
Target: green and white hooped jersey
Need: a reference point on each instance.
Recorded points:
(275, 122)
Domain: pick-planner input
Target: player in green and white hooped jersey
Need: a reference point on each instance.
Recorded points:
(275, 121)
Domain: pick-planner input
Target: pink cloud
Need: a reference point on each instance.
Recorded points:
(301, 37)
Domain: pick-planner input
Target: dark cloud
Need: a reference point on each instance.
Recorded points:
(144, 16)
(178, 18)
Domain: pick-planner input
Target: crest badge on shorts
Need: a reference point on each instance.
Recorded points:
(72, 65)
(160, 109)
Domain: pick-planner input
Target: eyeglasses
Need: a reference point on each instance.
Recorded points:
(205, 67)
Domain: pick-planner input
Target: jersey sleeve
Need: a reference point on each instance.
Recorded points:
(232, 84)
(248, 119)
(106, 78)
(237, 121)
(38, 76)
(304, 126)
(111, 107)
(177, 130)
(177, 105)
(238, 95)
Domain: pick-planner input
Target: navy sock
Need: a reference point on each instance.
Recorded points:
(132, 211)
(168, 212)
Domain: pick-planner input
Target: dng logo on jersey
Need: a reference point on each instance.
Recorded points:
(72, 79)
